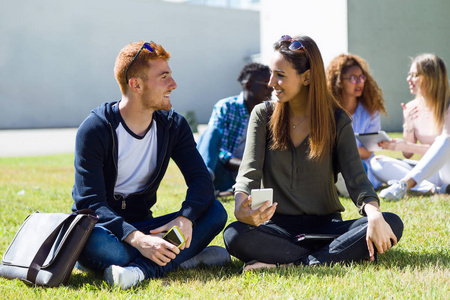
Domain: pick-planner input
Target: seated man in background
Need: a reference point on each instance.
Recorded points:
(122, 152)
(222, 144)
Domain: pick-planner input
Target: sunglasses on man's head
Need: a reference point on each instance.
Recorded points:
(144, 46)
(295, 44)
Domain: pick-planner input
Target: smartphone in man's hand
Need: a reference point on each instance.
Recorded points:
(174, 236)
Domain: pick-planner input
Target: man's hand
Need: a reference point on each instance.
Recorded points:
(245, 214)
(153, 247)
(379, 233)
(185, 226)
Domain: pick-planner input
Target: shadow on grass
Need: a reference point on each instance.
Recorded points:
(94, 281)
(398, 259)
(419, 260)
(394, 259)
(86, 280)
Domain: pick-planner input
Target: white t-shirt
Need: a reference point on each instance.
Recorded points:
(136, 161)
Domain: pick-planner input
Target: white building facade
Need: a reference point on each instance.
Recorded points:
(57, 57)
(386, 33)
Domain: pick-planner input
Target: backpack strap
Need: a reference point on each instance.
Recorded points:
(44, 250)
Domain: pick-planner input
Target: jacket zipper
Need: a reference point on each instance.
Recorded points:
(124, 203)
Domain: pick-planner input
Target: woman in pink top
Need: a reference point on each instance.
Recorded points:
(425, 119)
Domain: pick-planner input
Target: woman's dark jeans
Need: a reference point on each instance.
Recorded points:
(274, 242)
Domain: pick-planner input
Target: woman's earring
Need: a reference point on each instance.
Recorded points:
(307, 78)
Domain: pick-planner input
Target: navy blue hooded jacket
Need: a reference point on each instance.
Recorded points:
(96, 159)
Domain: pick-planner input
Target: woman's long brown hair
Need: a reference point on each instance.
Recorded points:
(321, 104)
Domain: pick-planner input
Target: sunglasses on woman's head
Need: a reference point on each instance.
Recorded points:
(295, 44)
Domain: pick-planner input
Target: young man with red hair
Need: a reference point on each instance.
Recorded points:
(122, 152)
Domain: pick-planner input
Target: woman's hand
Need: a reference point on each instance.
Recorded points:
(409, 115)
(245, 214)
(364, 153)
(379, 233)
(393, 144)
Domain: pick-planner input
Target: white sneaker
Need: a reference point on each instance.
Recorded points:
(210, 256)
(395, 192)
(123, 277)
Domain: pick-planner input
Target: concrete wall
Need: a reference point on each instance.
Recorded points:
(387, 33)
(57, 57)
(323, 20)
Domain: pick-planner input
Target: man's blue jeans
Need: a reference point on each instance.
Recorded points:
(274, 242)
(209, 148)
(104, 248)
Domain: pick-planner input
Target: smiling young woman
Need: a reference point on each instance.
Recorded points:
(350, 82)
(425, 119)
(300, 164)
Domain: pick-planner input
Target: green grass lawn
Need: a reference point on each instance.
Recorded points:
(418, 268)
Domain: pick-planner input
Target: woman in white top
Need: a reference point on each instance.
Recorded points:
(425, 119)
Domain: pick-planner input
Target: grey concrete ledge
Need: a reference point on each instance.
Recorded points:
(33, 142)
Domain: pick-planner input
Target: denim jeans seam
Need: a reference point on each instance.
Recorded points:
(278, 240)
(339, 253)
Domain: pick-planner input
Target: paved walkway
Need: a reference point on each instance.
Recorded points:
(31, 142)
